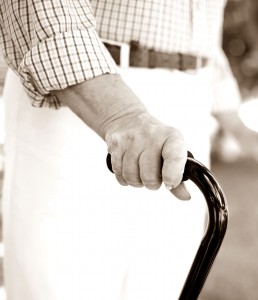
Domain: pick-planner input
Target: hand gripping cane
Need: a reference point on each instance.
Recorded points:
(216, 229)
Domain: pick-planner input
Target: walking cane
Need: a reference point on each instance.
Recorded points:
(216, 229)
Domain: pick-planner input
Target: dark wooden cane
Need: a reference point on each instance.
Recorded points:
(216, 229)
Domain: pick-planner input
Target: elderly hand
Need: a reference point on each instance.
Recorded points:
(144, 151)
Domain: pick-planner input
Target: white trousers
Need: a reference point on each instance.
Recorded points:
(71, 232)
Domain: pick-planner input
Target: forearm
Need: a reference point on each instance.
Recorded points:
(231, 122)
(144, 151)
(101, 101)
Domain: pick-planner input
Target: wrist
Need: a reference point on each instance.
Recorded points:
(102, 102)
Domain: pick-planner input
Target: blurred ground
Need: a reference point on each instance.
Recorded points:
(234, 275)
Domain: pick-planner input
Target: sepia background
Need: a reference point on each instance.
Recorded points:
(234, 275)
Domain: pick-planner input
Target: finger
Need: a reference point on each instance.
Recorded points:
(174, 155)
(117, 162)
(181, 192)
(130, 168)
(150, 163)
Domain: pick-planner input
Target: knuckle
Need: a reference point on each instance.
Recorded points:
(175, 133)
(112, 144)
(117, 168)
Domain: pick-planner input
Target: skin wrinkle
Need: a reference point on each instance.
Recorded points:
(152, 183)
(126, 171)
(144, 179)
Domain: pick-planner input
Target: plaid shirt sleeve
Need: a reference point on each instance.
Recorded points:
(52, 45)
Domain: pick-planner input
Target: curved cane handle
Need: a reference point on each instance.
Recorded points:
(216, 229)
(215, 232)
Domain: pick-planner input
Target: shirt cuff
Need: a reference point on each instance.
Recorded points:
(63, 60)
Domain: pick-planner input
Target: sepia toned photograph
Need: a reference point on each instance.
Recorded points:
(128, 150)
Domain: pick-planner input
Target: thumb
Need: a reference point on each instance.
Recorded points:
(181, 192)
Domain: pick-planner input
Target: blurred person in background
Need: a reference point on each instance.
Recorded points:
(125, 69)
(235, 139)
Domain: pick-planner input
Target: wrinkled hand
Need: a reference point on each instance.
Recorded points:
(145, 152)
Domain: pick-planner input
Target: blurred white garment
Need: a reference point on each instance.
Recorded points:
(1, 120)
(1, 133)
(71, 232)
(248, 114)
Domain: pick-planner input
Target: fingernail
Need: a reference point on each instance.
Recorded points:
(187, 195)
(169, 187)
(181, 193)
